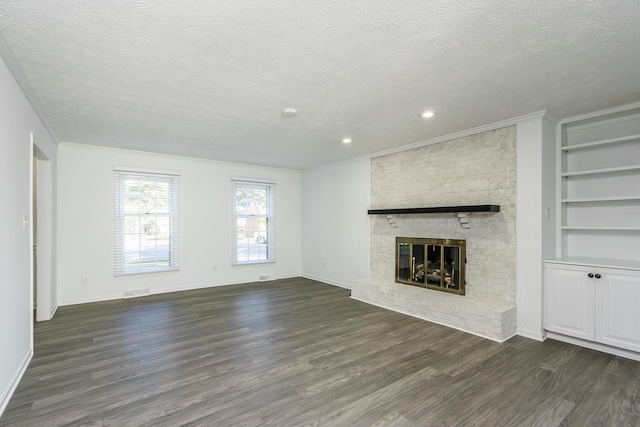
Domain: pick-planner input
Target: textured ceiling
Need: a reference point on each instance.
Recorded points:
(211, 78)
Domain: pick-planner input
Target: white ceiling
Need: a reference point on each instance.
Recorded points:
(211, 78)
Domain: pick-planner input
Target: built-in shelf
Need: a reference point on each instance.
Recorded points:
(601, 199)
(621, 140)
(601, 171)
(437, 209)
(597, 262)
(599, 227)
(598, 232)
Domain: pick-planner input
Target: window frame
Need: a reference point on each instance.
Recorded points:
(172, 179)
(269, 216)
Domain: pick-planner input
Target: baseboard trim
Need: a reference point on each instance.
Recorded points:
(170, 290)
(52, 313)
(90, 300)
(215, 285)
(7, 394)
(596, 346)
(327, 281)
(537, 336)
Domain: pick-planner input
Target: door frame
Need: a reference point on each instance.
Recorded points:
(42, 234)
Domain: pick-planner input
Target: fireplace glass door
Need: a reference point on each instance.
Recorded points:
(431, 263)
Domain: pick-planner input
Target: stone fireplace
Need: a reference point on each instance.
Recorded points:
(471, 171)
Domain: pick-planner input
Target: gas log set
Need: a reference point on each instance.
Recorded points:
(431, 263)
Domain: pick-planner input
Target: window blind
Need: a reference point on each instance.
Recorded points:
(253, 207)
(146, 222)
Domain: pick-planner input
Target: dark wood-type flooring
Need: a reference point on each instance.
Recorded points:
(297, 352)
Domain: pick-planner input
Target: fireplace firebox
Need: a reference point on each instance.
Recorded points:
(431, 263)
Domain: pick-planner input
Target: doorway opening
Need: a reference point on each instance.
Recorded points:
(43, 287)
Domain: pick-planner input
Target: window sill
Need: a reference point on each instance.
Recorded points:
(137, 273)
(268, 261)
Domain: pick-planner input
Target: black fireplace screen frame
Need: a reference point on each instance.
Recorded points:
(437, 264)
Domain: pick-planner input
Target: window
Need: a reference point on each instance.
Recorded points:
(147, 227)
(253, 222)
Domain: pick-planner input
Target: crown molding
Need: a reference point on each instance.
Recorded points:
(538, 115)
(599, 113)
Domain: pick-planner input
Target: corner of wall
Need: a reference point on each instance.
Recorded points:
(534, 195)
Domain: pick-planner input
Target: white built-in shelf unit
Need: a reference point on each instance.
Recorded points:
(599, 185)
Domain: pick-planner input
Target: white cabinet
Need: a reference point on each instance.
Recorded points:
(569, 301)
(617, 307)
(599, 185)
(596, 304)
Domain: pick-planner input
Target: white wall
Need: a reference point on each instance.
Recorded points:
(85, 223)
(535, 239)
(335, 227)
(17, 120)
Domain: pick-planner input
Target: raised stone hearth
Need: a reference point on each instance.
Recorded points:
(495, 320)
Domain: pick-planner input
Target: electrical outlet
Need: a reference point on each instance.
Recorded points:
(548, 214)
(85, 281)
(215, 268)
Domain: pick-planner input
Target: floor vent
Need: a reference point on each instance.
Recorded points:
(136, 293)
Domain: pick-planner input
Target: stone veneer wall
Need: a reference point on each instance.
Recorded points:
(473, 170)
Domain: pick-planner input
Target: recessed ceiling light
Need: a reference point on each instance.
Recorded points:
(346, 140)
(427, 114)
(290, 112)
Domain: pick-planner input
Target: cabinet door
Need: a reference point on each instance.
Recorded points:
(569, 300)
(618, 308)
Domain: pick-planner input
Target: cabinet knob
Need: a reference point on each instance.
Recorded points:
(590, 275)
(598, 276)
